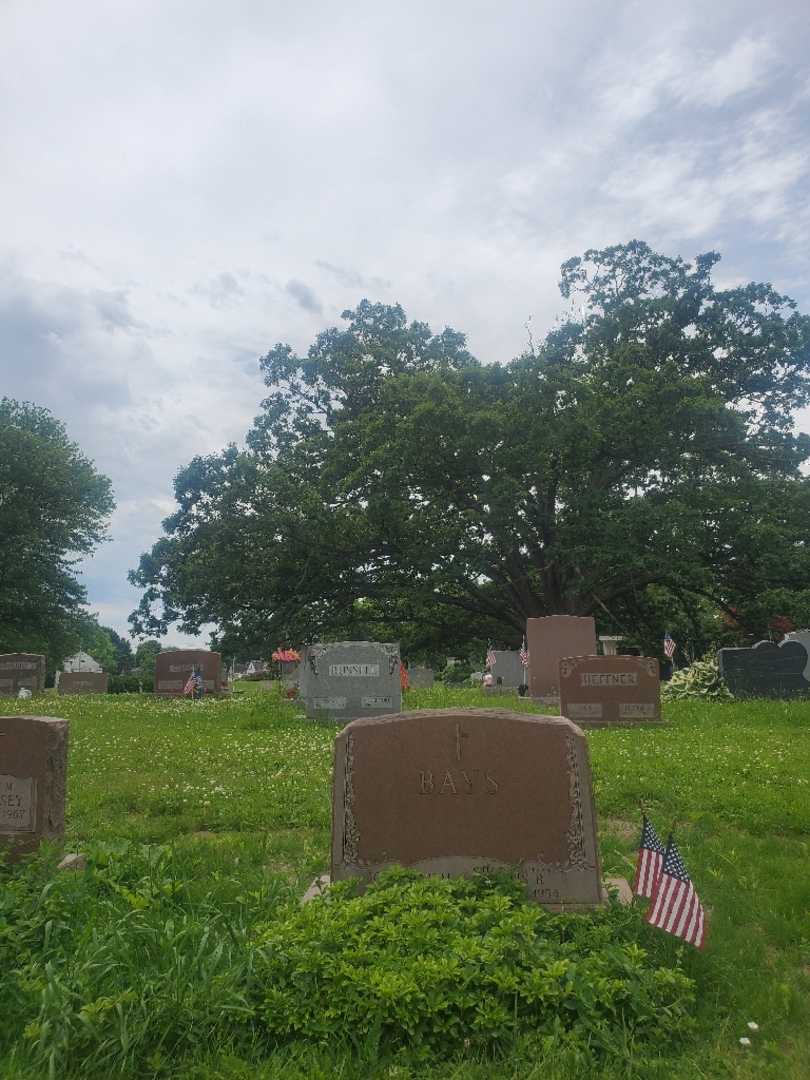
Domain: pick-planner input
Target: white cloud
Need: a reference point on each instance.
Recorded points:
(184, 189)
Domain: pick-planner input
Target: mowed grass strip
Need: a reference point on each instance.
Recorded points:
(237, 794)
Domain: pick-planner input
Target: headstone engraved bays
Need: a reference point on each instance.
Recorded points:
(452, 792)
(347, 679)
(172, 670)
(21, 670)
(598, 691)
(33, 766)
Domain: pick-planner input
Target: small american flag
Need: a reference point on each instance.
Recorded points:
(669, 645)
(675, 906)
(490, 662)
(650, 860)
(524, 654)
(194, 684)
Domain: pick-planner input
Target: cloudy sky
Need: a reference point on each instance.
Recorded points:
(185, 184)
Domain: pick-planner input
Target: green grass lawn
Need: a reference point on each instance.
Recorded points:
(205, 821)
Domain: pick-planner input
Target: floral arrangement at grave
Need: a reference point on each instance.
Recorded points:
(286, 656)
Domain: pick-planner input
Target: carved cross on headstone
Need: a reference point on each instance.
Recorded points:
(459, 736)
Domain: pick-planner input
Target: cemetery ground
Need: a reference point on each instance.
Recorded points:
(203, 824)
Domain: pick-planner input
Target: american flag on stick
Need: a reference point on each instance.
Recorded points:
(650, 860)
(194, 683)
(490, 662)
(675, 906)
(524, 653)
(669, 645)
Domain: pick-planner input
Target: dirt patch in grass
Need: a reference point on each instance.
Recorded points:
(625, 830)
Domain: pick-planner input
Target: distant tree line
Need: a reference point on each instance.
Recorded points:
(640, 465)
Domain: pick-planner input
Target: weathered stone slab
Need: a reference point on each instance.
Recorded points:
(172, 670)
(21, 670)
(33, 769)
(602, 691)
(455, 791)
(83, 682)
(508, 668)
(343, 680)
(421, 678)
(768, 670)
(550, 639)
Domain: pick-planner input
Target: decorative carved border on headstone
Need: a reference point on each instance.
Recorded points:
(576, 828)
(351, 836)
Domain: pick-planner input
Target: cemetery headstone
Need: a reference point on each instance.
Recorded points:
(21, 671)
(550, 639)
(342, 680)
(83, 682)
(455, 791)
(172, 670)
(33, 770)
(421, 677)
(768, 670)
(508, 668)
(600, 691)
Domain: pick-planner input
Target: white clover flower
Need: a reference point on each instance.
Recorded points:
(744, 1041)
(753, 1025)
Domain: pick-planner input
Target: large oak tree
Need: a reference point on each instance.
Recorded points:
(641, 465)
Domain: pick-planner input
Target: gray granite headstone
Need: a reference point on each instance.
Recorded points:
(420, 678)
(343, 680)
(508, 667)
(33, 769)
(455, 791)
(767, 670)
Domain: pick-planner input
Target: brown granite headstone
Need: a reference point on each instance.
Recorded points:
(83, 682)
(172, 670)
(549, 640)
(33, 769)
(601, 691)
(21, 670)
(455, 791)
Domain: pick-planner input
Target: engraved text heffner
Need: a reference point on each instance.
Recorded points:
(624, 678)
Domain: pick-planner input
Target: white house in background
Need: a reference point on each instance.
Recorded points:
(256, 667)
(82, 661)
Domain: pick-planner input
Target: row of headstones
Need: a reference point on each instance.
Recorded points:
(347, 680)
(446, 792)
(26, 671)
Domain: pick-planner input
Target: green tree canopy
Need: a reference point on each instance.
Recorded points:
(642, 457)
(53, 509)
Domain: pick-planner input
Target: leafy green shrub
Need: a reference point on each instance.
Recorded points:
(131, 684)
(442, 965)
(700, 680)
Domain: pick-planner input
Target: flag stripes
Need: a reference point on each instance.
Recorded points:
(650, 860)
(524, 654)
(676, 908)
